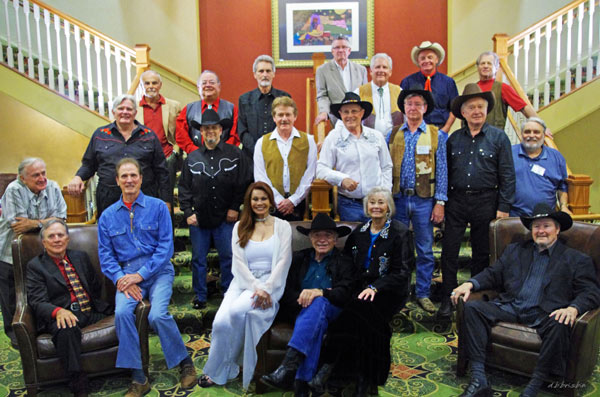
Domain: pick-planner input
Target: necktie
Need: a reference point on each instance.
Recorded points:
(428, 81)
(381, 107)
(80, 294)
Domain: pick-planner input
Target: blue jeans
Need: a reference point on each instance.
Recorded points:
(351, 210)
(310, 327)
(417, 210)
(158, 290)
(200, 245)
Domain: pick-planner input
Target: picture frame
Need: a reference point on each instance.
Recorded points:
(303, 27)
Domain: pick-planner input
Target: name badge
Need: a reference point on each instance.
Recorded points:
(423, 149)
(536, 169)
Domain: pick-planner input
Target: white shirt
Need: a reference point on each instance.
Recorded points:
(345, 73)
(260, 172)
(365, 159)
(383, 109)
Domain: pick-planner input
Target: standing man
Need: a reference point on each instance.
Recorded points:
(383, 95)
(488, 64)
(541, 172)
(286, 160)
(354, 157)
(481, 181)
(336, 77)
(159, 114)
(135, 245)
(254, 118)
(428, 56)
(420, 181)
(211, 189)
(187, 136)
(27, 203)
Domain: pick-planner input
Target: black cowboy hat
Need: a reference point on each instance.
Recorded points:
(417, 89)
(210, 117)
(350, 98)
(471, 91)
(324, 222)
(543, 210)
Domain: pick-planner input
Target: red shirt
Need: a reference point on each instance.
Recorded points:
(182, 134)
(509, 95)
(153, 120)
(61, 267)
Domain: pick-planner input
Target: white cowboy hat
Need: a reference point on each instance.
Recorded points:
(428, 45)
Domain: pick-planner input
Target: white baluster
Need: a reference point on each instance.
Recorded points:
(109, 82)
(59, 65)
(20, 63)
(71, 84)
(80, 91)
(49, 44)
(10, 56)
(99, 76)
(118, 68)
(568, 72)
(558, 47)
(36, 18)
(548, 32)
(526, 64)
(90, 77)
(516, 48)
(590, 61)
(30, 68)
(128, 69)
(579, 69)
(536, 71)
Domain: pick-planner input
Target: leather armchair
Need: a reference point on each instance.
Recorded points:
(99, 346)
(514, 347)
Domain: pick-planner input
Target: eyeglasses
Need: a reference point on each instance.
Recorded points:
(352, 112)
(413, 104)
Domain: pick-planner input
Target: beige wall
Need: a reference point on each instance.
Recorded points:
(170, 27)
(472, 23)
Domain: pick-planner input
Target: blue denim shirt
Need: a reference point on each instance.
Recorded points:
(142, 243)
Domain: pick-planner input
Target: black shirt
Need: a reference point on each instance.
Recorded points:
(213, 182)
(482, 162)
(107, 146)
(254, 116)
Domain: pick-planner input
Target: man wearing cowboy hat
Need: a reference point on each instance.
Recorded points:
(320, 282)
(354, 157)
(211, 189)
(428, 56)
(481, 185)
(420, 180)
(545, 285)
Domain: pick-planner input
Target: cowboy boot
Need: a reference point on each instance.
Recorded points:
(283, 376)
(301, 388)
(319, 382)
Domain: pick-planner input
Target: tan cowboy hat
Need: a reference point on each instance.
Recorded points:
(428, 45)
(471, 91)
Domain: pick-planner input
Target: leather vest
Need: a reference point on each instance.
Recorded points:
(297, 161)
(497, 117)
(194, 112)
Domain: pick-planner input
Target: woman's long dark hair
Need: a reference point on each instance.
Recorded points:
(246, 226)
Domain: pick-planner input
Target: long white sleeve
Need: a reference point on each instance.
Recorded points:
(275, 284)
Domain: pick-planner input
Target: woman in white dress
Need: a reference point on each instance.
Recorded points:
(262, 253)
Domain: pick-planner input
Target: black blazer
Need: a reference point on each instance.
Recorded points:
(569, 280)
(343, 282)
(47, 288)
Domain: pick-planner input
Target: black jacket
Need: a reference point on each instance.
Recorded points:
(47, 288)
(343, 282)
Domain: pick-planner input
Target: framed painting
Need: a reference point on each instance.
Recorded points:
(303, 27)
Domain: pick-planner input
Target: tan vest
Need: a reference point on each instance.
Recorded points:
(297, 161)
(366, 94)
(424, 163)
(497, 117)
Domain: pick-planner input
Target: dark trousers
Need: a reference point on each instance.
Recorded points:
(480, 316)
(478, 210)
(68, 340)
(105, 197)
(7, 296)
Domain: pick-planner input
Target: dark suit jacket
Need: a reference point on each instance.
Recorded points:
(47, 288)
(569, 281)
(343, 282)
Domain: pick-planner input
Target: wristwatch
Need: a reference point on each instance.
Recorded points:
(441, 202)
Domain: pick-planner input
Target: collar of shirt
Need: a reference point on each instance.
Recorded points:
(482, 131)
(219, 146)
(421, 128)
(549, 250)
(215, 105)
(325, 258)
(140, 200)
(31, 195)
(542, 156)
(143, 101)
(138, 127)
(58, 261)
(262, 95)
(337, 65)
(275, 136)
(386, 88)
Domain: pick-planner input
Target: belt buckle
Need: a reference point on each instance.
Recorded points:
(75, 306)
(409, 192)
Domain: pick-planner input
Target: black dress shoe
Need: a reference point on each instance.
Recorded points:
(445, 310)
(476, 389)
(198, 304)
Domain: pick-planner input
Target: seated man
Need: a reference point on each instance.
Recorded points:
(545, 284)
(135, 245)
(318, 285)
(541, 171)
(64, 293)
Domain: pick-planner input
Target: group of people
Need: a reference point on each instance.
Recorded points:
(395, 166)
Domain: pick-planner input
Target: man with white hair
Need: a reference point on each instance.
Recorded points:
(28, 201)
(254, 117)
(382, 94)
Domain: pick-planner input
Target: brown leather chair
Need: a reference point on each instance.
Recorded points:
(99, 346)
(514, 347)
(273, 344)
